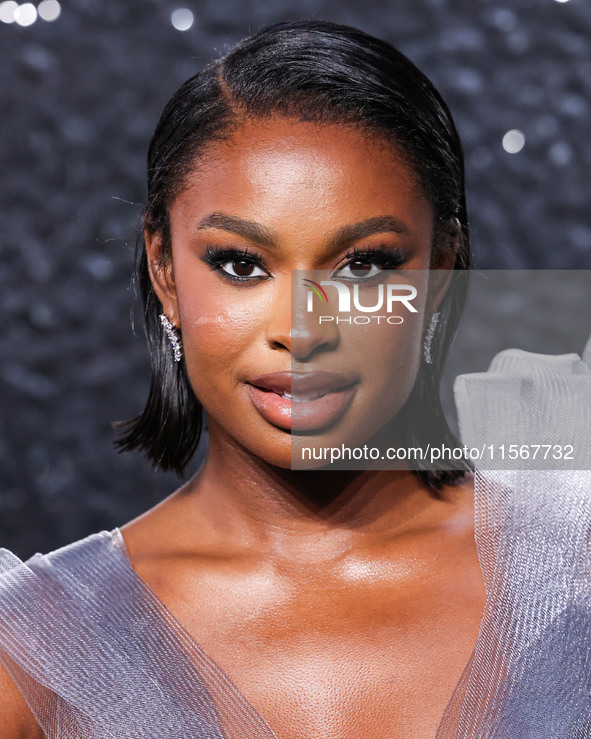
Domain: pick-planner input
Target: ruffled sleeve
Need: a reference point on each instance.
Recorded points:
(98, 656)
(92, 653)
(530, 672)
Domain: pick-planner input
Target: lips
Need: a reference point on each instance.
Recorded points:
(302, 401)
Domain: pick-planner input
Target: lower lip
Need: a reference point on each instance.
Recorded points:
(307, 415)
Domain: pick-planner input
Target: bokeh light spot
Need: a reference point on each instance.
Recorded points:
(182, 19)
(25, 14)
(560, 153)
(513, 141)
(7, 10)
(49, 10)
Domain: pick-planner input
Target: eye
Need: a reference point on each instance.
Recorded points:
(235, 264)
(365, 264)
(242, 268)
(359, 269)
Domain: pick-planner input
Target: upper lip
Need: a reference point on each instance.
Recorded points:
(304, 382)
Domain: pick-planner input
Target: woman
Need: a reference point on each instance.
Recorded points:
(259, 600)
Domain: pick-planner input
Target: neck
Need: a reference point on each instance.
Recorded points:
(246, 500)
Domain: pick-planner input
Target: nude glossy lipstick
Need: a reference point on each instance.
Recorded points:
(302, 401)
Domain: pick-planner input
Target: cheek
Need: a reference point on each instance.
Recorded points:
(391, 358)
(388, 345)
(216, 333)
(391, 350)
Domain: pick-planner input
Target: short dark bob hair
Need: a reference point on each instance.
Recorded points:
(313, 71)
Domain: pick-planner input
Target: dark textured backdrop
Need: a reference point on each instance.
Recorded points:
(80, 98)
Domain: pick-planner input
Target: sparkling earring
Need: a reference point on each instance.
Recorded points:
(429, 338)
(173, 337)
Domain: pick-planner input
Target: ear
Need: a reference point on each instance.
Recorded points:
(442, 265)
(161, 276)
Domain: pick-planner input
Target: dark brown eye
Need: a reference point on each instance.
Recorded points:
(364, 265)
(236, 264)
(360, 267)
(242, 267)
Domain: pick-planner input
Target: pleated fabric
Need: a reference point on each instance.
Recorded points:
(529, 676)
(96, 654)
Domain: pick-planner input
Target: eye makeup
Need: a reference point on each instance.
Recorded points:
(243, 263)
(378, 259)
(238, 264)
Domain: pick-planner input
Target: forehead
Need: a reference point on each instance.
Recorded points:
(281, 166)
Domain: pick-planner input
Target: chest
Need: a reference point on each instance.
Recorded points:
(382, 682)
(343, 662)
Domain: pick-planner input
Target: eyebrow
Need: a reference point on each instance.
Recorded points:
(341, 238)
(380, 224)
(248, 229)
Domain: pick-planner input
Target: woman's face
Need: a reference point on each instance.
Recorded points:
(282, 195)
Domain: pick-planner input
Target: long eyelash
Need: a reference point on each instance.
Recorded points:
(216, 256)
(383, 256)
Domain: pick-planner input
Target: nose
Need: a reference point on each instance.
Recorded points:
(292, 327)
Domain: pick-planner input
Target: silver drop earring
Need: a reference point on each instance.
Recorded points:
(173, 337)
(429, 338)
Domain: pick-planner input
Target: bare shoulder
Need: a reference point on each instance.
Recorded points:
(16, 718)
(156, 535)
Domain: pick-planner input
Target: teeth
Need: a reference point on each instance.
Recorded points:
(302, 398)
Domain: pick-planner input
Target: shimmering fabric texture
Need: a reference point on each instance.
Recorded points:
(96, 654)
(529, 676)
